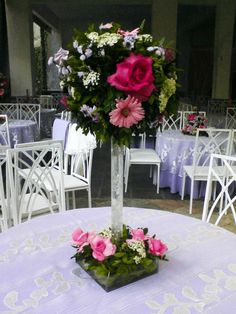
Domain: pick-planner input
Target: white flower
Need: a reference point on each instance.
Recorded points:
(93, 37)
(88, 52)
(75, 44)
(91, 78)
(82, 57)
(145, 37)
(80, 74)
(108, 39)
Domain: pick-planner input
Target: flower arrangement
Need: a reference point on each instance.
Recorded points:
(119, 81)
(4, 86)
(107, 257)
(194, 121)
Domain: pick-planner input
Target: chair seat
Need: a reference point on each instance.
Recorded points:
(201, 172)
(145, 156)
(36, 203)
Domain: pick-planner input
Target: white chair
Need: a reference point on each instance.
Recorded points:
(33, 187)
(230, 122)
(142, 156)
(66, 115)
(173, 122)
(78, 162)
(11, 110)
(30, 112)
(46, 101)
(4, 130)
(233, 143)
(226, 196)
(4, 190)
(218, 141)
(185, 115)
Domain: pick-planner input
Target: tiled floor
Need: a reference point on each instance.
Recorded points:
(141, 192)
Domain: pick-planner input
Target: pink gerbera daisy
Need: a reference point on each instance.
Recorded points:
(128, 111)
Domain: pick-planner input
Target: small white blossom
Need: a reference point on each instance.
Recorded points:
(92, 78)
(108, 39)
(139, 247)
(93, 37)
(82, 57)
(80, 49)
(145, 37)
(75, 44)
(88, 52)
(107, 233)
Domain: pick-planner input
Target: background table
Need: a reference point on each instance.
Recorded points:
(176, 150)
(37, 274)
(23, 131)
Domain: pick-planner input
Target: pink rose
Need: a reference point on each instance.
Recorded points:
(138, 234)
(102, 248)
(79, 237)
(191, 117)
(134, 76)
(156, 247)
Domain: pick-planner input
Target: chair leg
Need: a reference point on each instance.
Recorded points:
(191, 197)
(89, 198)
(183, 185)
(158, 178)
(126, 177)
(74, 200)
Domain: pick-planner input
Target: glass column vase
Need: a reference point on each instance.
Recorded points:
(117, 156)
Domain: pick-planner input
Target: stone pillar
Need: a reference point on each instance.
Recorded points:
(224, 29)
(20, 46)
(164, 20)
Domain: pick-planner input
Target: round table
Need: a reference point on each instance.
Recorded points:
(23, 131)
(37, 273)
(176, 150)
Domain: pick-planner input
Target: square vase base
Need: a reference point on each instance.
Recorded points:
(117, 281)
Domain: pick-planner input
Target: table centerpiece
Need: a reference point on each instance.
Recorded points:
(194, 121)
(119, 83)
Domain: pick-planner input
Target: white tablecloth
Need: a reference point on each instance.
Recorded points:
(37, 273)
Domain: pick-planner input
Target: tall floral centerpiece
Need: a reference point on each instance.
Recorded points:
(119, 83)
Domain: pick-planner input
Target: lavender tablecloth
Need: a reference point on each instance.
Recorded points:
(176, 150)
(23, 131)
(37, 274)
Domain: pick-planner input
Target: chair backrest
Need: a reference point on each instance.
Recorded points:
(185, 115)
(209, 141)
(46, 101)
(30, 112)
(66, 115)
(4, 130)
(33, 185)
(230, 122)
(4, 189)
(60, 130)
(217, 106)
(233, 143)
(185, 106)
(225, 199)
(81, 165)
(173, 122)
(77, 142)
(11, 110)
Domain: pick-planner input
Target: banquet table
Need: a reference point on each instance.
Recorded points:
(23, 131)
(38, 275)
(176, 150)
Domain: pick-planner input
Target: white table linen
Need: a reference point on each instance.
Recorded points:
(37, 273)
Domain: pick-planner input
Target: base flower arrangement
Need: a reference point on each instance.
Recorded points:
(119, 81)
(194, 122)
(114, 263)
